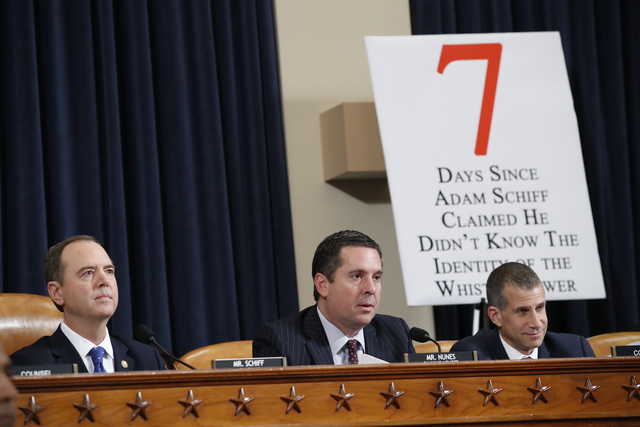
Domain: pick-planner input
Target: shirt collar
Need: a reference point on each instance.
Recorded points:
(336, 338)
(514, 354)
(83, 345)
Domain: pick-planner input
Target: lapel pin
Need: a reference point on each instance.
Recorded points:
(124, 364)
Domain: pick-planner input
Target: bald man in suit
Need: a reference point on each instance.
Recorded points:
(81, 281)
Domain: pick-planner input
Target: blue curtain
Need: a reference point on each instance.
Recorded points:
(157, 127)
(601, 42)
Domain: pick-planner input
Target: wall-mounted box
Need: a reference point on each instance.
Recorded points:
(351, 147)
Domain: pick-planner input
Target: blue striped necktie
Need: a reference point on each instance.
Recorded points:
(97, 354)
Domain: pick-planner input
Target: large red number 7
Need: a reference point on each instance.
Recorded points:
(491, 52)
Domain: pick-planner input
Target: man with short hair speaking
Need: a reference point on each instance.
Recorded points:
(81, 280)
(517, 306)
(343, 327)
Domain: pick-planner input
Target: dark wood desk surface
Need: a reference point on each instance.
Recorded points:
(615, 400)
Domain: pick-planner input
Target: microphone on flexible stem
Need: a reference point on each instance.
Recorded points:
(143, 334)
(420, 335)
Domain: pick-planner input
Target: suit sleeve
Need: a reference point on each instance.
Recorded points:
(587, 351)
(266, 343)
(468, 345)
(410, 349)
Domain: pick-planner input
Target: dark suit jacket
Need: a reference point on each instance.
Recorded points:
(489, 347)
(301, 338)
(57, 348)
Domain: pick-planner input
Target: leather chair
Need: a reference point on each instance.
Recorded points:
(601, 344)
(201, 357)
(24, 318)
(429, 347)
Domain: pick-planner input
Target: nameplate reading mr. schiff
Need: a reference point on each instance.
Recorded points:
(254, 362)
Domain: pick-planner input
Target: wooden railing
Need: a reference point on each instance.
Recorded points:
(600, 391)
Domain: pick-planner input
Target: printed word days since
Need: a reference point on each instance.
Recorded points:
(494, 173)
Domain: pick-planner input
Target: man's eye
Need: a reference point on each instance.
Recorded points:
(356, 275)
(87, 273)
(110, 271)
(377, 277)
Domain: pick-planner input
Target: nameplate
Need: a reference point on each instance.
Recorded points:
(43, 370)
(254, 362)
(458, 356)
(626, 350)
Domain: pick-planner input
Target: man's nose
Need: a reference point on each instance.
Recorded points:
(102, 278)
(369, 285)
(536, 320)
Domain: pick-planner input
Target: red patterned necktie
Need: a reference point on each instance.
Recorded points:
(352, 351)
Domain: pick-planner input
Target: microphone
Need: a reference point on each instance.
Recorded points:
(420, 335)
(143, 334)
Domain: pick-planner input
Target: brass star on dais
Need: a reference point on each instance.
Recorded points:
(538, 391)
(441, 394)
(139, 407)
(85, 408)
(242, 402)
(490, 394)
(342, 398)
(292, 400)
(633, 388)
(31, 411)
(190, 404)
(392, 396)
(587, 390)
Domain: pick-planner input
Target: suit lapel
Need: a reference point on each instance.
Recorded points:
(63, 351)
(543, 352)
(317, 343)
(497, 349)
(372, 344)
(122, 361)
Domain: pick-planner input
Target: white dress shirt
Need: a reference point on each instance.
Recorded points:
(338, 341)
(514, 354)
(83, 346)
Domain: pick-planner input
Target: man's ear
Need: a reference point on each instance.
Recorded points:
(321, 283)
(56, 292)
(495, 315)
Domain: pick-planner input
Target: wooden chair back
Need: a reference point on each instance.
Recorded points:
(601, 344)
(201, 357)
(429, 347)
(24, 318)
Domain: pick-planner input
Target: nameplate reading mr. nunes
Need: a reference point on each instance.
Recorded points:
(458, 356)
(254, 362)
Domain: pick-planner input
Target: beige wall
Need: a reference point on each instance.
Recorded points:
(323, 63)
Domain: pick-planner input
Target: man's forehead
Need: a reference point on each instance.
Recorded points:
(358, 253)
(84, 251)
(516, 295)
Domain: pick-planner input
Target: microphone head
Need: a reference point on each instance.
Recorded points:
(419, 334)
(143, 334)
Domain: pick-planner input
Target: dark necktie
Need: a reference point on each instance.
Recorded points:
(352, 352)
(97, 354)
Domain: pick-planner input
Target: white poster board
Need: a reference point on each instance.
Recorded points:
(484, 163)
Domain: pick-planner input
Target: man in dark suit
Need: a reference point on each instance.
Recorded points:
(81, 281)
(517, 306)
(343, 327)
